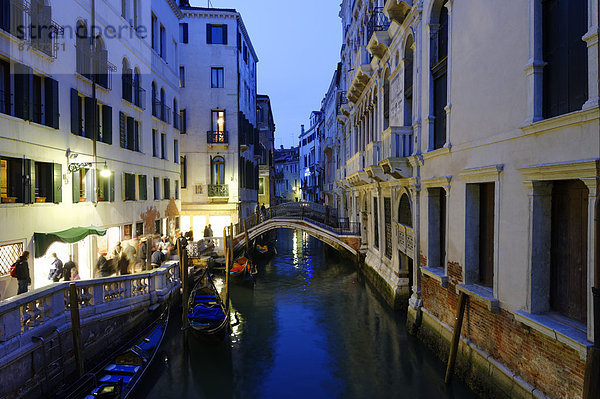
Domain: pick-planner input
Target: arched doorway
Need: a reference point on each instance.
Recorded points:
(405, 255)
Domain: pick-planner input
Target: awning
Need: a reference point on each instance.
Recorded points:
(41, 241)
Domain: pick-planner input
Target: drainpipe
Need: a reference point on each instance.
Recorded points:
(591, 382)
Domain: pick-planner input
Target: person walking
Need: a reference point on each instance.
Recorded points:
(206, 233)
(67, 268)
(123, 264)
(103, 266)
(116, 252)
(157, 258)
(209, 229)
(130, 252)
(22, 272)
(56, 269)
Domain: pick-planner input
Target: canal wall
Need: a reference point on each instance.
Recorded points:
(393, 288)
(36, 345)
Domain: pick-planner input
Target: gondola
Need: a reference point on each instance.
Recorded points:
(207, 314)
(118, 378)
(265, 251)
(242, 270)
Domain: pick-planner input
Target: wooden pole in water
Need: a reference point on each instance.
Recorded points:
(226, 264)
(247, 241)
(76, 328)
(184, 282)
(460, 312)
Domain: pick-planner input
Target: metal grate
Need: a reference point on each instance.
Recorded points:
(9, 253)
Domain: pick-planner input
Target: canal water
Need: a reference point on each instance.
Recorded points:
(311, 327)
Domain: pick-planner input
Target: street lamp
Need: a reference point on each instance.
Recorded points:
(77, 166)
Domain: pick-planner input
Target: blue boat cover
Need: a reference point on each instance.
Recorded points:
(115, 378)
(202, 314)
(122, 368)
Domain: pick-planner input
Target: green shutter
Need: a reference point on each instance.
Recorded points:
(28, 181)
(51, 102)
(57, 193)
(90, 105)
(123, 185)
(23, 91)
(76, 185)
(111, 195)
(75, 117)
(122, 131)
(107, 124)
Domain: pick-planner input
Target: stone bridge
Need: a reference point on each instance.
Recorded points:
(316, 220)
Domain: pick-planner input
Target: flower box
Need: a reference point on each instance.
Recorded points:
(40, 199)
(9, 200)
(81, 199)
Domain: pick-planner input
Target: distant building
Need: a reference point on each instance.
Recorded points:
(265, 149)
(309, 158)
(217, 70)
(287, 175)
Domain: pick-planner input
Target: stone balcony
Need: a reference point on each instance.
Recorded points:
(397, 147)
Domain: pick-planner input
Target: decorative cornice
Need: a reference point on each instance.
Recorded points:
(483, 174)
(584, 169)
(437, 182)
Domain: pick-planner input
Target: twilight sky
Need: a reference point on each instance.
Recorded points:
(298, 46)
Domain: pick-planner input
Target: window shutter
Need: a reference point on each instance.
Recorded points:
(102, 69)
(107, 124)
(28, 181)
(75, 126)
(208, 34)
(123, 186)
(111, 194)
(224, 34)
(76, 185)
(185, 32)
(5, 15)
(122, 131)
(23, 91)
(89, 130)
(130, 142)
(136, 135)
(143, 188)
(57, 186)
(51, 102)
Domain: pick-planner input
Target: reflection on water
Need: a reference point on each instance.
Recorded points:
(310, 328)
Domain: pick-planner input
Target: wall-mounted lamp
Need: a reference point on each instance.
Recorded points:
(73, 167)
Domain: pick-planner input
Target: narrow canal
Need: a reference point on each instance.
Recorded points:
(310, 328)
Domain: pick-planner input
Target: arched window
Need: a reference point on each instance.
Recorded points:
(565, 74)
(439, 74)
(404, 212)
(137, 87)
(386, 100)
(217, 168)
(175, 114)
(101, 65)
(408, 82)
(82, 49)
(127, 81)
(155, 106)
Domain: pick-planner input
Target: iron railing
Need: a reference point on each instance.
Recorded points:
(217, 137)
(323, 216)
(218, 190)
(377, 22)
(176, 120)
(139, 96)
(162, 111)
(94, 66)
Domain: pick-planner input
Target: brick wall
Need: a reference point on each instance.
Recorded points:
(548, 365)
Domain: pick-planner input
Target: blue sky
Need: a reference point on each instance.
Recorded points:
(298, 46)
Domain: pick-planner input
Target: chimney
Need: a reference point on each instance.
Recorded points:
(282, 146)
(302, 129)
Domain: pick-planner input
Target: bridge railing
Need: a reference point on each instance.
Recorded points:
(321, 215)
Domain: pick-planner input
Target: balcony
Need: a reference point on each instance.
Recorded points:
(139, 97)
(176, 120)
(217, 137)
(356, 174)
(218, 191)
(361, 74)
(341, 100)
(377, 28)
(397, 147)
(94, 66)
(161, 111)
(397, 10)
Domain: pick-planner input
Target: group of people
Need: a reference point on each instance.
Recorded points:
(66, 272)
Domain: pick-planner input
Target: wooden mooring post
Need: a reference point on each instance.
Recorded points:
(460, 313)
(76, 328)
(247, 241)
(183, 269)
(225, 240)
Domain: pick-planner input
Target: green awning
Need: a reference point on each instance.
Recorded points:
(41, 241)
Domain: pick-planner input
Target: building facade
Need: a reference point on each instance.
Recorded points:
(478, 177)
(266, 148)
(310, 158)
(288, 185)
(77, 144)
(217, 70)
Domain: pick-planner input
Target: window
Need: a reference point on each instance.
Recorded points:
(376, 223)
(183, 32)
(124, 9)
(408, 82)
(182, 76)
(5, 91)
(153, 28)
(104, 114)
(142, 188)
(568, 249)
(83, 186)
(436, 245)
(26, 181)
(216, 34)
(129, 129)
(106, 188)
(155, 143)
(261, 186)
(218, 126)
(176, 189)
(404, 212)
(163, 145)
(139, 94)
(387, 216)
(128, 187)
(127, 81)
(183, 169)
(47, 182)
(216, 78)
(82, 49)
(479, 231)
(183, 121)
(175, 151)
(136, 11)
(82, 118)
(218, 171)
(439, 66)
(565, 76)
(155, 102)
(101, 67)
(386, 100)
(166, 189)
(156, 188)
(176, 121)
(245, 53)
(163, 42)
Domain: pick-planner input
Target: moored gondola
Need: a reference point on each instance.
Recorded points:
(243, 270)
(207, 313)
(119, 377)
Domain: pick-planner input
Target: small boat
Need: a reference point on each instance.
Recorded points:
(119, 377)
(242, 270)
(264, 251)
(207, 314)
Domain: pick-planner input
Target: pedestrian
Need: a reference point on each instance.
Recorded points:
(67, 267)
(263, 209)
(190, 235)
(206, 233)
(75, 274)
(103, 266)
(182, 241)
(163, 245)
(56, 269)
(116, 252)
(157, 258)
(210, 232)
(22, 272)
(123, 264)
(143, 252)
